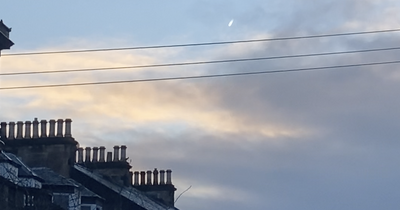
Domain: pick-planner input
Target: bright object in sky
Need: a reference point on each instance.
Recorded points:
(230, 23)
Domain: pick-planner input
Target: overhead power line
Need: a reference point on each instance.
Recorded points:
(202, 76)
(204, 43)
(198, 62)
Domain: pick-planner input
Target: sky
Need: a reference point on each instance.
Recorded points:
(323, 139)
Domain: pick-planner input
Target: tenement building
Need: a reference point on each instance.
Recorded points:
(43, 167)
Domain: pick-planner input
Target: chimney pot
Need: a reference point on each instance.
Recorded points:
(80, 155)
(142, 178)
(169, 176)
(95, 154)
(43, 129)
(28, 129)
(116, 153)
(155, 177)
(148, 177)
(68, 128)
(162, 177)
(87, 153)
(136, 178)
(52, 130)
(19, 129)
(3, 133)
(35, 133)
(60, 127)
(102, 154)
(123, 153)
(11, 130)
(109, 156)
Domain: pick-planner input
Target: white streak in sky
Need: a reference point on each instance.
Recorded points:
(230, 23)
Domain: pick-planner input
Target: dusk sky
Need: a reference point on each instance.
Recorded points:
(309, 140)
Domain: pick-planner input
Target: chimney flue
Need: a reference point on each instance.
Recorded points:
(169, 176)
(162, 177)
(136, 178)
(87, 154)
(123, 153)
(11, 131)
(52, 130)
(95, 155)
(148, 177)
(27, 129)
(60, 127)
(68, 128)
(102, 154)
(3, 130)
(19, 129)
(116, 153)
(109, 156)
(155, 177)
(80, 155)
(35, 133)
(142, 178)
(43, 129)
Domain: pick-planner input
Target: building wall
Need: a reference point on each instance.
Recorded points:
(14, 197)
(57, 157)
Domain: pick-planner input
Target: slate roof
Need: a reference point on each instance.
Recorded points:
(52, 178)
(85, 192)
(4, 157)
(23, 170)
(130, 193)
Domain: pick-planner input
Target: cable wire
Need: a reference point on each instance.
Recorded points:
(198, 62)
(204, 43)
(202, 76)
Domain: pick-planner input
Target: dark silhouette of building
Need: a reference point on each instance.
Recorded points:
(5, 42)
(20, 188)
(101, 181)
